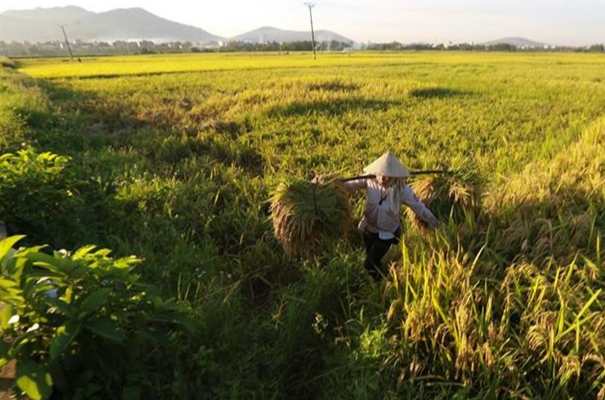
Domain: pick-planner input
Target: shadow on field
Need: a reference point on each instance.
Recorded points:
(8, 63)
(333, 107)
(107, 138)
(333, 86)
(437, 92)
(167, 133)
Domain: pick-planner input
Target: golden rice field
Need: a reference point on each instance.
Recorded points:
(174, 158)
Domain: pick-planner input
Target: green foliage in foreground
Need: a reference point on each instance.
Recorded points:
(177, 158)
(33, 188)
(80, 324)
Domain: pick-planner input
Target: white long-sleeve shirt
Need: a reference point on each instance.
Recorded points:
(381, 214)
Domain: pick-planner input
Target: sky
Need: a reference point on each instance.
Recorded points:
(556, 22)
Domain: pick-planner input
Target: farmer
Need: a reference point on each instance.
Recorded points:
(3, 232)
(385, 193)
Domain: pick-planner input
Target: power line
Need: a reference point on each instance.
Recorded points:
(311, 5)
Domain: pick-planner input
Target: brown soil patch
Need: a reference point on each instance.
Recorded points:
(7, 377)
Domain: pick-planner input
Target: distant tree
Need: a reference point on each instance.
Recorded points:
(303, 45)
(503, 47)
(418, 46)
(466, 46)
(385, 46)
(147, 50)
(334, 45)
(596, 48)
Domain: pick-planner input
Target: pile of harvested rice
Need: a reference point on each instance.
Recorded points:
(446, 195)
(305, 214)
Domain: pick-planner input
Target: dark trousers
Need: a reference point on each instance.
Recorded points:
(376, 248)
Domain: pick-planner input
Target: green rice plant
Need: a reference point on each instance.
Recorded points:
(531, 334)
(559, 330)
(448, 195)
(13, 97)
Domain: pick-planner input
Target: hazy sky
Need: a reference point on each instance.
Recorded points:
(559, 22)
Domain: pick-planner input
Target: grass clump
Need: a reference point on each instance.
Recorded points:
(6, 62)
(304, 213)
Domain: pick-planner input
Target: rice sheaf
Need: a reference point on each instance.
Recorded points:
(305, 214)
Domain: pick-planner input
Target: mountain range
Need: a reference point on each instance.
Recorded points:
(269, 34)
(517, 42)
(44, 24)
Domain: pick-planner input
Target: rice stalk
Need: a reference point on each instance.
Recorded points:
(446, 195)
(306, 214)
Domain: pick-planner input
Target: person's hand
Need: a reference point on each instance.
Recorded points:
(432, 221)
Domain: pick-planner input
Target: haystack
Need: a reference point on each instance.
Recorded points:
(452, 194)
(307, 214)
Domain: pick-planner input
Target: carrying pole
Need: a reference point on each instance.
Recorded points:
(413, 173)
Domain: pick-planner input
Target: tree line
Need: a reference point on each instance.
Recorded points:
(122, 47)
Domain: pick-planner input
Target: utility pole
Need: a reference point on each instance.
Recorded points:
(311, 5)
(3, 48)
(66, 41)
(3, 44)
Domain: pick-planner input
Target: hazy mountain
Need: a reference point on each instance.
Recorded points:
(269, 34)
(136, 23)
(62, 15)
(18, 29)
(40, 25)
(516, 41)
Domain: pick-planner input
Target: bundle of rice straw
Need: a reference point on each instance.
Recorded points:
(445, 195)
(305, 214)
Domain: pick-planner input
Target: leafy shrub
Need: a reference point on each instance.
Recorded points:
(80, 324)
(6, 62)
(38, 194)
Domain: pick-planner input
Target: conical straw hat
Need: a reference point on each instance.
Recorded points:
(387, 165)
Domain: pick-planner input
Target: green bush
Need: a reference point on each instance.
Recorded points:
(39, 194)
(82, 325)
(6, 62)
